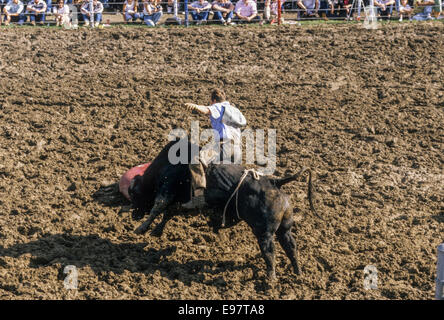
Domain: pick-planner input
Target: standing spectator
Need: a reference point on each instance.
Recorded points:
(36, 10)
(152, 12)
(2, 4)
(310, 7)
(334, 8)
(346, 7)
(14, 12)
(405, 9)
(223, 11)
(200, 10)
(325, 8)
(97, 11)
(48, 6)
(246, 11)
(61, 13)
(271, 10)
(385, 8)
(170, 6)
(130, 11)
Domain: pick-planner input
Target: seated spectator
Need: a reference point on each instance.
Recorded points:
(246, 11)
(152, 12)
(385, 8)
(430, 7)
(97, 11)
(130, 11)
(334, 8)
(345, 6)
(310, 7)
(14, 12)
(405, 9)
(61, 13)
(271, 10)
(325, 7)
(36, 10)
(223, 11)
(170, 5)
(200, 10)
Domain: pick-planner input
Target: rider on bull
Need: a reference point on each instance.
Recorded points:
(226, 120)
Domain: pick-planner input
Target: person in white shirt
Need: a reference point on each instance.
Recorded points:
(152, 12)
(200, 9)
(310, 7)
(61, 13)
(36, 10)
(97, 11)
(130, 11)
(405, 9)
(14, 12)
(226, 121)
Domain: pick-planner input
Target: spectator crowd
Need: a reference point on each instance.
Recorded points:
(225, 12)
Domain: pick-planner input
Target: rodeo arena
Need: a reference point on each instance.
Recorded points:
(229, 150)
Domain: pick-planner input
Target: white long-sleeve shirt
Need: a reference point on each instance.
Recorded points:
(98, 8)
(63, 11)
(40, 6)
(13, 8)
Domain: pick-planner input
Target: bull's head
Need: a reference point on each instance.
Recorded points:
(137, 197)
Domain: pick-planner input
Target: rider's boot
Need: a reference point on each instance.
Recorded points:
(196, 202)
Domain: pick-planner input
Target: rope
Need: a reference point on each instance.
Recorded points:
(256, 176)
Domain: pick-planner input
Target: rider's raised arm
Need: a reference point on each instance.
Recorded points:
(201, 109)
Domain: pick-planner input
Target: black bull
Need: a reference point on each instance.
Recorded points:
(259, 202)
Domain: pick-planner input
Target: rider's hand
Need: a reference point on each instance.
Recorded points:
(191, 106)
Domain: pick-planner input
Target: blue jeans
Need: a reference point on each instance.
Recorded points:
(133, 16)
(423, 15)
(97, 17)
(388, 11)
(155, 17)
(20, 18)
(217, 15)
(199, 16)
(49, 4)
(39, 17)
(255, 20)
(323, 6)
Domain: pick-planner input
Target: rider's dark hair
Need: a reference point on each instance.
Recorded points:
(218, 95)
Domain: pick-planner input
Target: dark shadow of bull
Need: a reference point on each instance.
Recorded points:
(259, 202)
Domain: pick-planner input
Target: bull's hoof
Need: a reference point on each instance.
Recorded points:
(157, 232)
(296, 269)
(142, 229)
(137, 218)
(271, 276)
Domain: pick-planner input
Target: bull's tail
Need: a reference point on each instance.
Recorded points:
(280, 182)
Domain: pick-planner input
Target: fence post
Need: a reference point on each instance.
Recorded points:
(176, 11)
(439, 295)
(279, 12)
(186, 12)
(91, 13)
(73, 13)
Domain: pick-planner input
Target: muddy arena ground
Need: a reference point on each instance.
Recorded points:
(362, 108)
